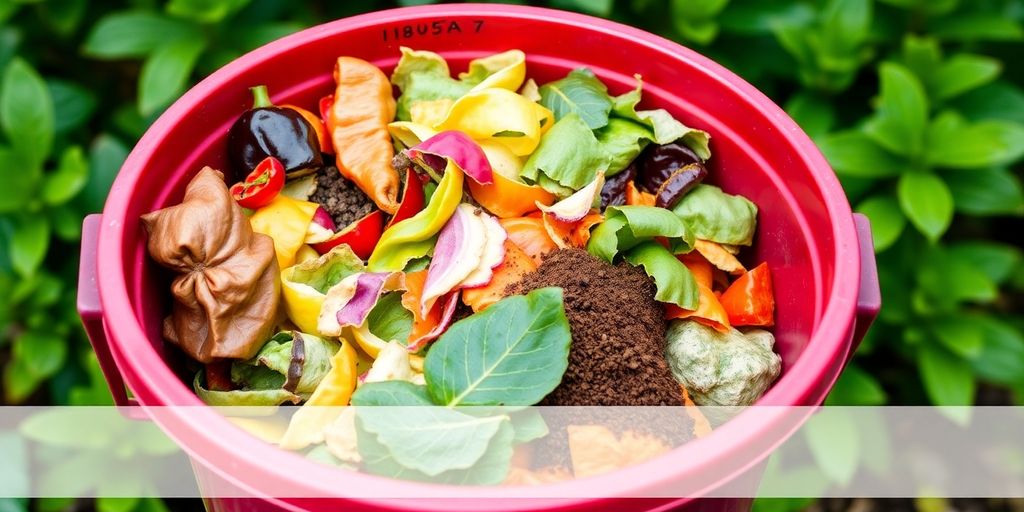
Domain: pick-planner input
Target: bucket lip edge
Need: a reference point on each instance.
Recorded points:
(833, 323)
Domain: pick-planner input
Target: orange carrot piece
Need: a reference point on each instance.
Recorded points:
(516, 265)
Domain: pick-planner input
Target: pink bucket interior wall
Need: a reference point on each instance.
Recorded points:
(739, 162)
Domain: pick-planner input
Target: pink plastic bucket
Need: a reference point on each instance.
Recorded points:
(820, 253)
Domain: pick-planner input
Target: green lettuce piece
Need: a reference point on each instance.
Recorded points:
(716, 216)
(326, 271)
(271, 364)
(242, 398)
(623, 140)
(424, 76)
(581, 93)
(664, 127)
(627, 226)
(389, 320)
(568, 155)
(675, 283)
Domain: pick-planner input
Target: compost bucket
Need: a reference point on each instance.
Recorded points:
(820, 253)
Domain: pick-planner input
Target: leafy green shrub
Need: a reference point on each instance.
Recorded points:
(916, 103)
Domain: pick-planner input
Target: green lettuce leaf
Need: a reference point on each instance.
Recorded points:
(716, 216)
(512, 353)
(581, 93)
(242, 398)
(569, 155)
(623, 140)
(326, 271)
(269, 368)
(389, 320)
(664, 127)
(424, 76)
(627, 226)
(675, 282)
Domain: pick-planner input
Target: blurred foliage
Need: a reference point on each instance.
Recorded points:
(916, 103)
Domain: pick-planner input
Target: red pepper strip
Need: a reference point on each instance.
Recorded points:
(261, 186)
(325, 109)
(218, 376)
(362, 236)
(749, 300)
(412, 201)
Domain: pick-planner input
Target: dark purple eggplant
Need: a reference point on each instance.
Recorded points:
(613, 192)
(678, 184)
(657, 163)
(267, 130)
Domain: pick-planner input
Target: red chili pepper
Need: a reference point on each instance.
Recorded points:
(749, 299)
(325, 110)
(261, 186)
(362, 236)
(413, 198)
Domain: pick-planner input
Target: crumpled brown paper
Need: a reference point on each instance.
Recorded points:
(227, 289)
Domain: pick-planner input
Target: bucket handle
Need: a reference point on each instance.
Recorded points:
(869, 298)
(91, 311)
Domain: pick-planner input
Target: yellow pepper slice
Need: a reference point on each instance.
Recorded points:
(286, 221)
(324, 405)
(430, 113)
(304, 285)
(505, 70)
(413, 237)
(409, 133)
(499, 115)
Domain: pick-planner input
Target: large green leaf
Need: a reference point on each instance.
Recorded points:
(165, 73)
(947, 379)
(986, 191)
(927, 202)
(902, 111)
(711, 214)
(569, 155)
(853, 153)
(887, 220)
(135, 34)
(26, 112)
(581, 93)
(512, 353)
(626, 226)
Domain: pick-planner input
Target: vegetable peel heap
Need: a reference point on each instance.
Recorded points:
(479, 240)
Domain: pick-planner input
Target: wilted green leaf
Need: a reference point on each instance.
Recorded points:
(135, 34)
(902, 111)
(947, 379)
(26, 111)
(927, 202)
(165, 73)
(855, 154)
(29, 243)
(887, 220)
(986, 191)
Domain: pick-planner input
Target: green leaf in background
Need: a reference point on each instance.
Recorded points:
(26, 111)
(996, 260)
(135, 34)
(986, 191)
(165, 73)
(695, 19)
(902, 111)
(998, 100)
(106, 154)
(64, 15)
(815, 114)
(856, 387)
(949, 277)
(959, 335)
(29, 243)
(19, 187)
(838, 460)
(954, 143)
(962, 73)
(887, 220)
(1001, 358)
(74, 104)
(205, 11)
(977, 27)
(518, 363)
(581, 93)
(69, 178)
(855, 154)
(844, 26)
(927, 202)
(947, 379)
(595, 7)
(760, 17)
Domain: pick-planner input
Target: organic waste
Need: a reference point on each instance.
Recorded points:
(476, 245)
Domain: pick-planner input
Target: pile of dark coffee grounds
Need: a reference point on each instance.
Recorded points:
(618, 332)
(342, 199)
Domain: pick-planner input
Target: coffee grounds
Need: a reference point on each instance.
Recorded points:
(342, 199)
(618, 330)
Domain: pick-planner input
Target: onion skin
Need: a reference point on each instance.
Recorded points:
(680, 182)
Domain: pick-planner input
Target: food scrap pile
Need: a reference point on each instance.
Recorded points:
(569, 231)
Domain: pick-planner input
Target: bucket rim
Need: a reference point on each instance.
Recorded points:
(132, 350)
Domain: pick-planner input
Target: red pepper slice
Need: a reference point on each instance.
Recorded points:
(412, 201)
(362, 236)
(261, 186)
(325, 110)
(749, 299)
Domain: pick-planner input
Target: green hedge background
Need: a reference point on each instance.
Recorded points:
(918, 105)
